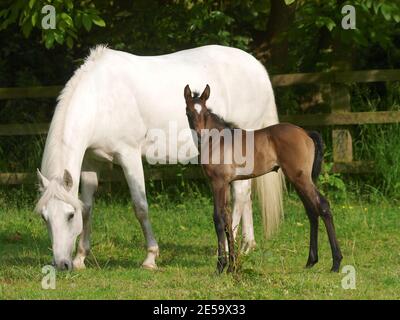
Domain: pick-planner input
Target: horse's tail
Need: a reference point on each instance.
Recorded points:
(269, 192)
(270, 187)
(318, 154)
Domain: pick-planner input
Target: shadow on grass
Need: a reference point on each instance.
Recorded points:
(171, 255)
(23, 249)
(187, 255)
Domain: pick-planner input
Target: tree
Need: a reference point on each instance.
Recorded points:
(69, 16)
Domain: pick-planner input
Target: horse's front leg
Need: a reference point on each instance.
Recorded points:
(89, 183)
(131, 162)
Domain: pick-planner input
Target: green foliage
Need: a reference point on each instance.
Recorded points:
(331, 183)
(381, 145)
(70, 18)
(148, 27)
(315, 21)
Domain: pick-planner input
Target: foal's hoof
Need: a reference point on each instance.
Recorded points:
(221, 266)
(248, 246)
(311, 264)
(336, 263)
(231, 269)
(335, 268)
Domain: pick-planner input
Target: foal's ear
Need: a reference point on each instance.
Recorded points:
(206, 93)
(67, 180)
(43, 182)
(187, 93)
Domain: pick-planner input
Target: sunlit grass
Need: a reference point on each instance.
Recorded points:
(368, 233)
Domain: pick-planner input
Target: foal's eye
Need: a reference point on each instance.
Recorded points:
(70, 216)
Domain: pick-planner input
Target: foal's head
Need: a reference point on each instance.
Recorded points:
(196, 109)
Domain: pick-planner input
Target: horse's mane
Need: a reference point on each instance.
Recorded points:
(220, 120)
(52, 156)
(196, 95)
(216, 118)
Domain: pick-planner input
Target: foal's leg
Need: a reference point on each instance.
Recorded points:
(327, 217)
(242, 208)
(131, 162)
(226, 213)
(223, 226)
(312, 214)
(89, 183)
(315, 205)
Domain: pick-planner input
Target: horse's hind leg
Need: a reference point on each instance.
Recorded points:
(131, 162)
(89, 183)
(327, 217)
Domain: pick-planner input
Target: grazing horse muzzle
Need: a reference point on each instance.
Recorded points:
(64, 265)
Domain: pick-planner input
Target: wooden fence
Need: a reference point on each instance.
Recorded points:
(334, 84)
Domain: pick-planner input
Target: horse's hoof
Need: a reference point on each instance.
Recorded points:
(149, 266)
(335, 268)
(311, 264)
(221, 264)
(219, 271)
(78, 263)
(150, 262)
(248, 246)
(231, 269)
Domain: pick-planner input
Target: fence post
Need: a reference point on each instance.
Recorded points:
(342, 144)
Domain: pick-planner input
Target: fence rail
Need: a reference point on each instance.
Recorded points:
(340, 116)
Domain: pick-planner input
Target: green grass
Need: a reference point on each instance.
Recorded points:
(369, 236)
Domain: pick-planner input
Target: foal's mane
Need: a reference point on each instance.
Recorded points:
(216, 118)
(222, 121)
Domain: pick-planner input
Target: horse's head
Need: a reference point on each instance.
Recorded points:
(62, 212)
(196, 109)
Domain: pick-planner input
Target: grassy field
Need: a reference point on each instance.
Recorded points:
(368, 233)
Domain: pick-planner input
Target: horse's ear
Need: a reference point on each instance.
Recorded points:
(206, 93)
(187, 93)
(43, 182)
(67, 180)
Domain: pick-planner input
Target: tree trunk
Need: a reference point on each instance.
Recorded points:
(272, 45)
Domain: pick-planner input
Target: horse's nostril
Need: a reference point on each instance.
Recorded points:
(64, 265)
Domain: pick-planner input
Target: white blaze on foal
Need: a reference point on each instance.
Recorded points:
(197, 107)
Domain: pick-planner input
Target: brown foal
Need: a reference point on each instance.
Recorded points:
(298, 153)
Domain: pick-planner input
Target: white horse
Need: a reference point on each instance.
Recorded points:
(106, 111)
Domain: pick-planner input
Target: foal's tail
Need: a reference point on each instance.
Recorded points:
(319, 154)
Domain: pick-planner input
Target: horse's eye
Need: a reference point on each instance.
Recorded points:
(70, 216)
(43, 217)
